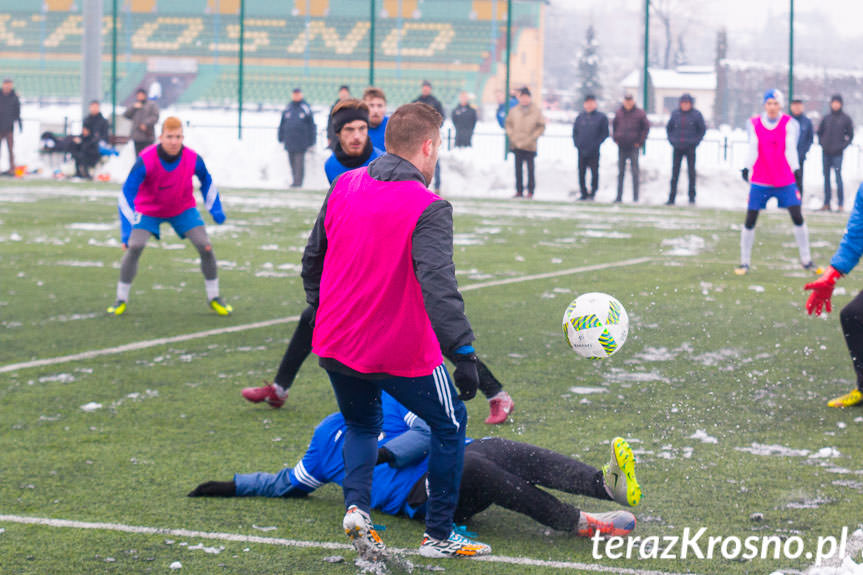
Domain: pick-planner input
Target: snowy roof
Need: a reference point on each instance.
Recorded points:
(682, 78)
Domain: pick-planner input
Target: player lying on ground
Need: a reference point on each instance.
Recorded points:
(772, 158)
(496, 472)
(159, 190)
(851, 317)
(350, 119)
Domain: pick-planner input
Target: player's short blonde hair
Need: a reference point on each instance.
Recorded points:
(171, 123)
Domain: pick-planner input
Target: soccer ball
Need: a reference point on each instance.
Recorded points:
(595, 325)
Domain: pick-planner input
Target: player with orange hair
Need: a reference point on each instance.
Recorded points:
(159, 190)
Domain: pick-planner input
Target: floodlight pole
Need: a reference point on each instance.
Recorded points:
(645, 71)
(240, 70)
(114, 68)
(791, 55)
(372, 43)
(507, 88)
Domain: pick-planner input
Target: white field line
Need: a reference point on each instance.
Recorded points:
(244, 327)
(236, 537)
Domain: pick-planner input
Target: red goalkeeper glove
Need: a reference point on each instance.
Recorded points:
(822, 289)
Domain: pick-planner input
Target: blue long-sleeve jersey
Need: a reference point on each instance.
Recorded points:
(376, 135)
(334, 168)
(851, 246)
(126, 208)
(323, 463)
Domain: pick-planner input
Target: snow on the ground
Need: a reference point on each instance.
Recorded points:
(703, 436)
(259, 161)
(782, 451)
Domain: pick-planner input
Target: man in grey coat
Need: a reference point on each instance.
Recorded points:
(144, 114)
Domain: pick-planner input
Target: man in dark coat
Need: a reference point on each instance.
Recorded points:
(344, 94)
(144, 114)
(427, 98)
(835, 133)
(464, 120)
(297, 132)
(10, 113)
(97, 124)
(685, 131)
(804, 140)
(589, 130)
(629, 131)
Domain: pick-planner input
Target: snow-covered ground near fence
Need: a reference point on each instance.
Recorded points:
(259, 161)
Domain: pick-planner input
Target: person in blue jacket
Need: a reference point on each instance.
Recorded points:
(504, 106)
(851, 316)
(352, 147)
(496, 471)
(804, 139)
(376, 100)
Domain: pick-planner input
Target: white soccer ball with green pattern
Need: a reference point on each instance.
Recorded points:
(595, 325)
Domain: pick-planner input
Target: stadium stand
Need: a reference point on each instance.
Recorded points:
(449, 42)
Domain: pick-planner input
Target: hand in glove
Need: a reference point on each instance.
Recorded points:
(745, 174)
(822, 290)
(466, 375)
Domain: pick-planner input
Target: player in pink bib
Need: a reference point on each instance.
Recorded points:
(159, 190)
(772, 161)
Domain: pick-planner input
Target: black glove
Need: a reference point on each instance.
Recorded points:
(466, 375)
(215, 489)
(384, 455)
(797, 174)
(745, 174)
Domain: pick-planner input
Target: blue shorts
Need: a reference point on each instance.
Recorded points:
(787, 196)
(181, 223)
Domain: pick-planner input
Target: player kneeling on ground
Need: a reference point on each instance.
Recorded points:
(159, 190)
(851, 317)
(496, 471)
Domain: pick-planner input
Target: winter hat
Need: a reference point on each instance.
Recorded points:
(836, 98)
(589, 97)
(687, 97)
(524, 91)
(773, 94)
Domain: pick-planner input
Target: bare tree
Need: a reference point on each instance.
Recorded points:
(677, 13)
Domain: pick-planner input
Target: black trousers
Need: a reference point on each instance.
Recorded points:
(624, 155)
(851, 318)
(140, 146)
(524, 157)
(798, 176)
(297, 160)
(502, 472)
(300, 347)
(588, 162)
(676, 160)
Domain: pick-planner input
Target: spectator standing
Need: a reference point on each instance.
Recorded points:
(504, 106)
(376, 100)
(804, 140)
(524, 125)
(344, 94)
(685, 131)
(629, 131)
(10, 112)
(464, 120)
(426, 97)
(589, 130)
(144, 114)
(298, 133)
(835, 133)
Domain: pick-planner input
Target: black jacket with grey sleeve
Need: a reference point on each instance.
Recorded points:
(432, 253)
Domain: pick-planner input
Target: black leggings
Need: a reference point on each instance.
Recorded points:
(300, 347)
(794, 211)
(851, 318)
(503, 472)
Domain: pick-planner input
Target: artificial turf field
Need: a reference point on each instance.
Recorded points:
(714, 363)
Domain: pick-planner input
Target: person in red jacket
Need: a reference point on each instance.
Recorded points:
(629, 131)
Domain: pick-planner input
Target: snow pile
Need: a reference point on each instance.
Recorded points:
(843, 565)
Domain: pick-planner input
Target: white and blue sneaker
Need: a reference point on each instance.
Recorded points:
(455, 545)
